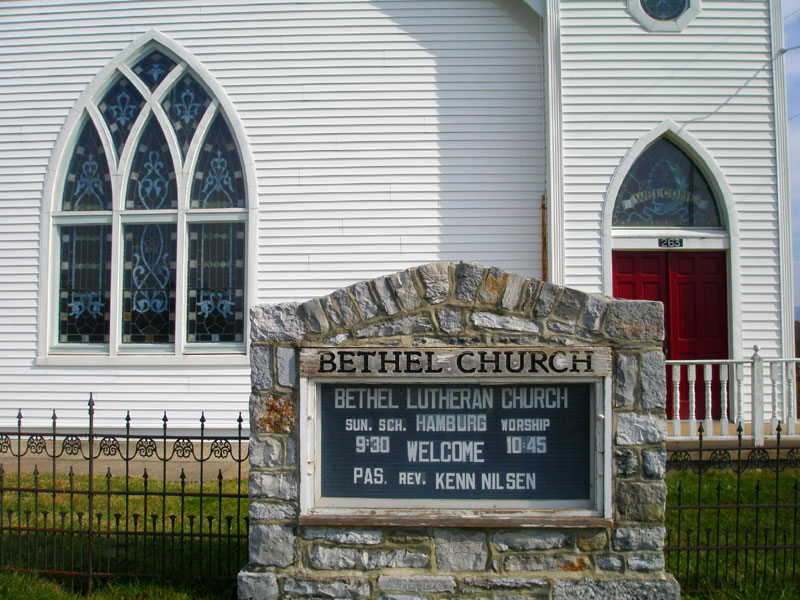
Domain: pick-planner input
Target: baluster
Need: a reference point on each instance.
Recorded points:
(707, 377)
(757, 396)
(676, 400)
(774, 377)
(738, 409)
(691, 377)
(791, 417)
(723, 398)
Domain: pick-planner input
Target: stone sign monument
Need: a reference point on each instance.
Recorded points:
(457, 431)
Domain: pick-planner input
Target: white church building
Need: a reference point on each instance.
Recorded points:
(165, 166)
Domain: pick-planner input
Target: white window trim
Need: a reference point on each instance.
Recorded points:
(654, 25)
(223, 355)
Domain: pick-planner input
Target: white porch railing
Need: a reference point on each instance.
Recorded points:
(756, 393)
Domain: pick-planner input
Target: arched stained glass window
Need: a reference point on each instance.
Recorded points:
(88, 183)
(218, 177)
(664, 188)
(120, 107)
(152, 179)
(197, 302)
(185, 105)
(153, 68)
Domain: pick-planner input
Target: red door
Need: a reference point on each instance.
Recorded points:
(693, 288)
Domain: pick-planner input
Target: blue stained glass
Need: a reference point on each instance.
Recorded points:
(152, 180)
(153, 68)
(148, 292)
(664, 10)
(185, 104)
(120, 107)
(216, 282)
(85, 285)
(88, 183)
(664, 188)
(218, 176)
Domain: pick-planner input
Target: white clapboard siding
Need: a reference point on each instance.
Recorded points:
(714, 79)
(383, 135)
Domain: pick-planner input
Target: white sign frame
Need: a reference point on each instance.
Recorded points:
(318, 509)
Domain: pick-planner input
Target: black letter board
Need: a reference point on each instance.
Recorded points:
(456, 441)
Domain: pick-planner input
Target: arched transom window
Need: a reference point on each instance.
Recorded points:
(665, 189)
(150, 217)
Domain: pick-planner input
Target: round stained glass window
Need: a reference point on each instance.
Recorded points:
(664, 10)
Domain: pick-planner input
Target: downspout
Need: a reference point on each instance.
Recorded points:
(544, 238)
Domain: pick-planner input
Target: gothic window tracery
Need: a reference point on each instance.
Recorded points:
(120, 107)
(163, 202)
(185, 105)
(218, 178)
(153, 68)
(88, 182)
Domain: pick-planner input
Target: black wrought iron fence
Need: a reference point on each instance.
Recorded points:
(732, 517)
(87, 506)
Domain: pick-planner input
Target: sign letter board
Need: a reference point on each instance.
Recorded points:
(491, 428)
(456, 441)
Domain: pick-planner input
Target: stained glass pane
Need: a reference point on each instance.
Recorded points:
(88, 184)
(148, 284)
(216, 282)
(664, 10)
(218, 177)
(152, 180)
(153, 68)
(664, 188)
(83, 299)
(185, 105)
(120, 107)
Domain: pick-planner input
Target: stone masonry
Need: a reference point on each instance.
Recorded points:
(459, 304)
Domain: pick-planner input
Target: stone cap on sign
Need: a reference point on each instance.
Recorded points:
(458, 304)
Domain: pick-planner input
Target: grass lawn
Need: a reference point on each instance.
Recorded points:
(778, 593)
(121, 496)
(765, 529)
(139, 527)
(33, 587)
